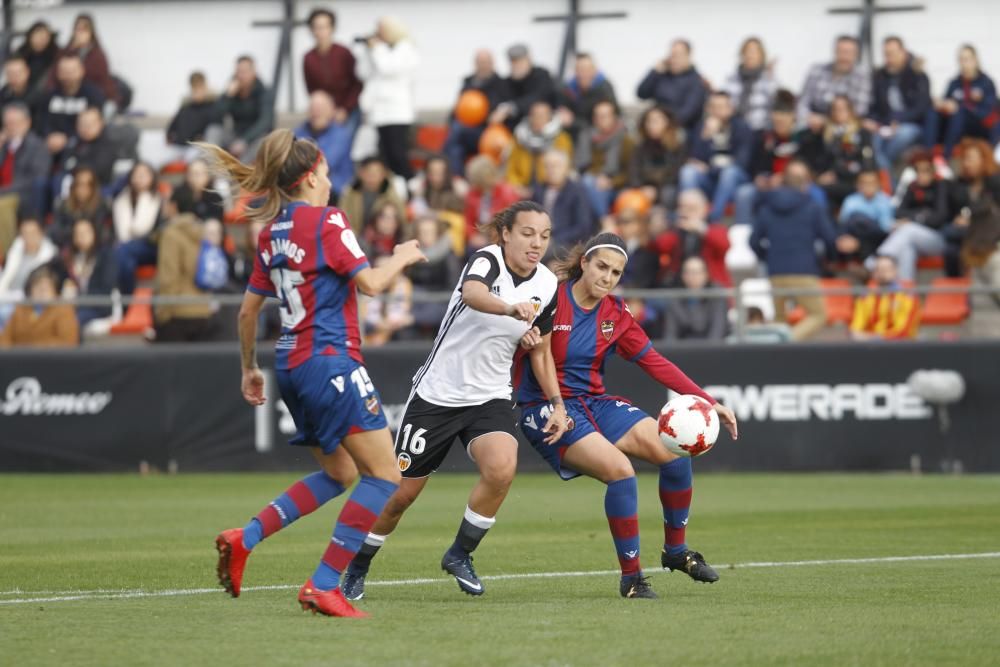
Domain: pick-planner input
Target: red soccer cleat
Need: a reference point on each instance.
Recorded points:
(232, 559)
(328, 603)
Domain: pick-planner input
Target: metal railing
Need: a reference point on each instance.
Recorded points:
(737, 296)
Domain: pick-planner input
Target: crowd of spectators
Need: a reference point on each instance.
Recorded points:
(858, 170)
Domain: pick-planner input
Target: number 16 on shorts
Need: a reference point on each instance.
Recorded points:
(411, 443)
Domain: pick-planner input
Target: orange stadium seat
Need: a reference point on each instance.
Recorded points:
(931, 263)
(139, 316)
(145, 273)
(946, 308)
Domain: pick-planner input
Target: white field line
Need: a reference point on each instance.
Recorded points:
(124, 594)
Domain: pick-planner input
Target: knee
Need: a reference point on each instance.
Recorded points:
(499, 472)
(619, 470)
(344, 477)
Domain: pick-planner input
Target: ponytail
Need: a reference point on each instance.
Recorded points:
(506, 218)
(568, 267)
(282, 163)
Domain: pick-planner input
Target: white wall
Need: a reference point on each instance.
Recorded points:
(155, 46)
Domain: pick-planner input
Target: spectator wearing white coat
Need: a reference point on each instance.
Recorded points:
(388, 66)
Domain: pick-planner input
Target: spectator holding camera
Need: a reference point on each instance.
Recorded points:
(388, 65)
(675, 84)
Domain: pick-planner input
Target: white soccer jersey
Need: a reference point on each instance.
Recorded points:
(471, 360)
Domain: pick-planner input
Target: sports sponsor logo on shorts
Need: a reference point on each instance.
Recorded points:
(372, 404)
(404, 462)
(608, 329)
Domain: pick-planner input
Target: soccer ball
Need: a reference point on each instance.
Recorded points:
(688, 426)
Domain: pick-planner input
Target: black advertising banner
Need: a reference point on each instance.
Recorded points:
(805, 407)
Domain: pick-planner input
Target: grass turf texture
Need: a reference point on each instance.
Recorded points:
(62, 533)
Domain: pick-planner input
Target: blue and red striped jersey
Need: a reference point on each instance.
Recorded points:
(581, 342)
(308, 258)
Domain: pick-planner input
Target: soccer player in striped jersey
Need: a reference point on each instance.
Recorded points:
(309, 258)
(590, 324)
(463, 390)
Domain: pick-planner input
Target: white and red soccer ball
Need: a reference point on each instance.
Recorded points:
(688, 425)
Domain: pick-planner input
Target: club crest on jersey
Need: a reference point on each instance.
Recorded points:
(608, 329)
(404, 462)
(537, 303)
(372, 404)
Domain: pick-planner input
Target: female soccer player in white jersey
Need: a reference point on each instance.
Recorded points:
(590, 324)
(463, 390)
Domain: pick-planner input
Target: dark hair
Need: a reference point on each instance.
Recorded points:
(316, 13)
(673, 137)
(370, 160)
(279, 167)
(43, 272)
(755, 313)
(197, 78)
(506, 218)
(685, 43)
(784, 101)
(847, 38)
(760, 45)
(894, 38)
(93, 227)
(92, 204)
(89, 20)
(245, 58)
(920, 155)
(50, 51)
(583, 55)
(719, 92)
(568, 266)
(71, 55)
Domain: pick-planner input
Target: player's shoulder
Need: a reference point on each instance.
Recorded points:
(615, 306)
(547, 279)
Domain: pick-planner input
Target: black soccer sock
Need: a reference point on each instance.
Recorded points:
(471, 532)
(363, 559)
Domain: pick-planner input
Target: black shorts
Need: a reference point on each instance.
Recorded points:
(427, 431)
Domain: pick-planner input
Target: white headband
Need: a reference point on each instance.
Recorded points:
(607, 245)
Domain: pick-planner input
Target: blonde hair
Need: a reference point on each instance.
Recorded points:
(276, 174)
(393, 29)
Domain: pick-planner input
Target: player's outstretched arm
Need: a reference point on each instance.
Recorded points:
(375, 281)
(544, 368)
(476, 295)
(252, 384)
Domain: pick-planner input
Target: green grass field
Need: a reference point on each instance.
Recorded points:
(95, 538)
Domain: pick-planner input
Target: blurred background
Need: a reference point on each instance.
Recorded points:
(808, 191)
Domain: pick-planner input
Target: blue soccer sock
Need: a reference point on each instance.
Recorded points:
(675, 496)
(621, 504)
(355, 521)
(302, 498)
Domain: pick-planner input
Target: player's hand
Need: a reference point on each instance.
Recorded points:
(557, 424)
(531, 339)
(252, 386)
(409, 252)
(524, 311)
(728, 419)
